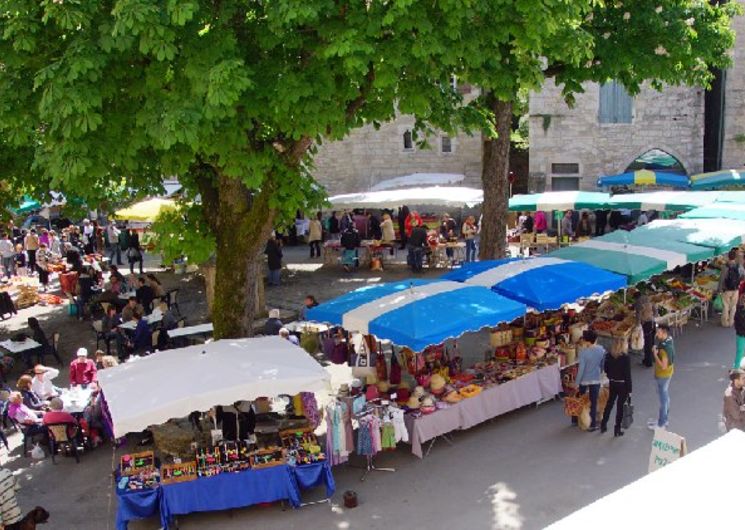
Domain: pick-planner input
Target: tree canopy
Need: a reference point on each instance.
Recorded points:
(233, 97)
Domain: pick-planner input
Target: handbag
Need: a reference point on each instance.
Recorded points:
(718, 304)
(628, 414)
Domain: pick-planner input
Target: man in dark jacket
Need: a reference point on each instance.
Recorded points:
(403, 213)
(145, 295)
(416, 243)
(273, 253)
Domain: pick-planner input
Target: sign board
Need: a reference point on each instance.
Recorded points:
(667, 447)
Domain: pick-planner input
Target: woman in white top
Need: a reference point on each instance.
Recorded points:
(386, 228)
(42, 383)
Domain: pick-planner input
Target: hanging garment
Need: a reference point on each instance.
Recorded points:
(310, 408)
(388, 437)
(364, 439)
(397, 418)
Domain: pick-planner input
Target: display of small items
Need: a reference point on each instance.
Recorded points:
(301, 446)
(138, 472)
(225, 457)
(183, 472)
(269, 457)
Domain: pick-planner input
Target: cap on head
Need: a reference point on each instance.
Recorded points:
(82, 352)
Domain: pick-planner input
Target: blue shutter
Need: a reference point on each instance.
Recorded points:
(622, 104)
(605, 110)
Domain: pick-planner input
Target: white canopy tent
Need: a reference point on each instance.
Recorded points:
(700, 490)
(173, 383)
(452, 196)
(419, 180)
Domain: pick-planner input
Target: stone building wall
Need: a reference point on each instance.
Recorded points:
(671, 120)
(367, 156)
(733, 152)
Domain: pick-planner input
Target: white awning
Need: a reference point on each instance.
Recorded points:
(419, 180)
(173, 383)
(452, 196)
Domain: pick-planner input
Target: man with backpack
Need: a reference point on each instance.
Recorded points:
(729, 284)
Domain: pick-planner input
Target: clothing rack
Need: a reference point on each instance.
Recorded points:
(379, 409)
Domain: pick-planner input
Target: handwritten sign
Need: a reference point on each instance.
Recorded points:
(667, 447)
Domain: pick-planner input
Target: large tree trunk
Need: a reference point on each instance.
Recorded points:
(494, 179)
(243, 226)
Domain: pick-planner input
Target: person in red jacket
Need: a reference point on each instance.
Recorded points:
(409, 223)
(82, 369)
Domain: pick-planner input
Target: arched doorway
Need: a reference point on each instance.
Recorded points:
(657, 160)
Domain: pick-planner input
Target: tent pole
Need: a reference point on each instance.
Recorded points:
(624, 296)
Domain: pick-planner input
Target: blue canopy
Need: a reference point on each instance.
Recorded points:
(417, 313)
(645, 177)
(542, 283)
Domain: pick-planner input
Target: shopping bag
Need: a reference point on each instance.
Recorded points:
(628, 414)
(37, 453)
(718, 304)
(637, 338)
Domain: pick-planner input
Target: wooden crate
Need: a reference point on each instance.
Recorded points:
(173, 473)
(136, 462)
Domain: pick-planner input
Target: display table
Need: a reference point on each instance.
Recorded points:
(223, 492)
(538, 385)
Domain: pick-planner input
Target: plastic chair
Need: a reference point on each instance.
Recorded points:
(59, 436)
(100, 335)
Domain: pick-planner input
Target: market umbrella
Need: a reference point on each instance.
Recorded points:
(676, 201)
(718, 210)
(453, 196)
(28, 205)
(653, 241)
(419, 180)
(173, 383)
(417, 313)
(627, 260)
(558, 200)
(645, 177)
(713, 233)
(542, 283)
(145, 211)
(717, 179)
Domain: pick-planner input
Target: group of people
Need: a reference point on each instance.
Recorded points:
(594, 361)
(37, 402)
(576, 224)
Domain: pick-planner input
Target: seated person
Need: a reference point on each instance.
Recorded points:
(145, 295)
(30, 420)
(110, 325)
(156, 286)
(39, 336)
(30, 398)
(114, 270)
(56, 415)
(309, 302)
(82, 370)
(104, 361)
(130, 308)
(285, 334)
(273, 324)
(141, 340)
(42, 383)
(85, 291)
(350, 240)
(169, 322)
(93, 417)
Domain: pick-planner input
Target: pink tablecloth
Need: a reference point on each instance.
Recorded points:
(541, 384)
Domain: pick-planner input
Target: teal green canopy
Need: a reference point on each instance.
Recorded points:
(28, 205)
(675, 201)
(719, 210)
(635, 266)
(559, 200)
(716, 234)
(646, 238)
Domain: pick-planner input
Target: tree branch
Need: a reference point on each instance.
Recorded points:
(204, 177)
(357, 103)
(553, 70)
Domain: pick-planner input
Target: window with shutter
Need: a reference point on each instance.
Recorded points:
(615, 104)
(446, 145)
(408, 141)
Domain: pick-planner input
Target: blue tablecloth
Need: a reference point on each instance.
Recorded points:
(136, 505)
(224, 492)
(312, 475)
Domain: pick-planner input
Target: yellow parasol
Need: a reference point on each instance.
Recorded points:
(145, 211)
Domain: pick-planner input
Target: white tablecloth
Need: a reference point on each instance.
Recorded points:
(543, 383)
(18, 347)
(191, 330)
(75, 400)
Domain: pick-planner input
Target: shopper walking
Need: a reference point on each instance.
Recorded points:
(315, 236)
(739, 331)
(729, 284)
(112, 233)
(31, 244)
(618, 369)
(589, 373)
(273, 253)
(470, 230)
(416, 243)
(734, 401)
(7, 254)
(664, 367)
(645, 315)
(134, 251)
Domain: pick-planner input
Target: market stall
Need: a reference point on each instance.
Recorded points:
(541, 283)
(645, 177)
(451, 196)
(717, 179)
(711, 233)
(558, 200)
(410, 313)
(661, 201)
(222, 473)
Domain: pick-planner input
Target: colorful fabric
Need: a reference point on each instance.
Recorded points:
(310, 408)
(388, 437)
